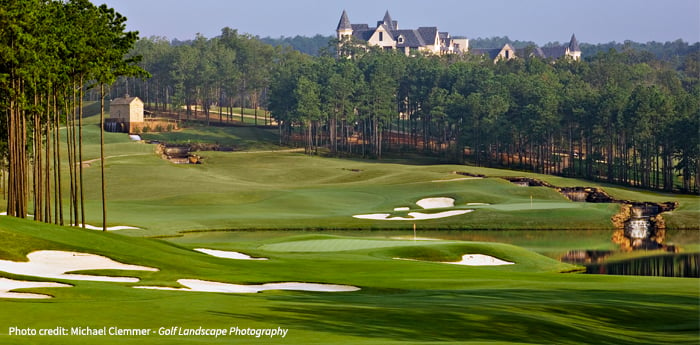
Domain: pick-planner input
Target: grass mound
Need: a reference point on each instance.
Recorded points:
(289, 190)
(402, 302)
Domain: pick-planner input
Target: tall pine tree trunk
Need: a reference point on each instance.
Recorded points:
(102, 155)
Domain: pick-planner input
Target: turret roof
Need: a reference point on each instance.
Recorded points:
(573, 45)
(388, 21)
(344, 23)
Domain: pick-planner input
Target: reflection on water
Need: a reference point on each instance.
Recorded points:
(551, 243)
(582, 257)
(668, 265)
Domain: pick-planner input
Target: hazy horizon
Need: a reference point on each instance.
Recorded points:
(541, 21)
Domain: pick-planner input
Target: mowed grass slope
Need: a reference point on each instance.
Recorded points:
(400, 302)
(261, 189)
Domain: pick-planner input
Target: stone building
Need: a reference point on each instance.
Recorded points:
(389, 36)
(495, 54)
(571, 50)
(125, 114)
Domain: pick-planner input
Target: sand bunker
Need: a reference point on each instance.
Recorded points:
(429, 203)
(5, 214)
(480, 260)
(227, 254)
(7, 285)
(54, 264)
(412, 215)
(109, 228)
(472, 260)
(209, 286)
(91, 227)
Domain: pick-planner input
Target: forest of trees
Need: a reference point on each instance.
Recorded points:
(232, 69)
(308, 45)
(624, 116)
(620, 116)
(51, 52)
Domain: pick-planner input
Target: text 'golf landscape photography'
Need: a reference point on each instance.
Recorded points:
(349, 172)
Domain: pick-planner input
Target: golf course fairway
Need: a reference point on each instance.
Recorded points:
(281, 226)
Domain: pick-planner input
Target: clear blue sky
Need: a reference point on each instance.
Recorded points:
(542, 21)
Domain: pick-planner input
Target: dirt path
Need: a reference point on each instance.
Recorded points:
(87, 163)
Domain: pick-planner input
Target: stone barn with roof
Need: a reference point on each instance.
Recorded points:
(125, 114)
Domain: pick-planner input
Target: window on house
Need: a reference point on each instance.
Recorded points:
(401, 39)
(381, 36)
(507, 54)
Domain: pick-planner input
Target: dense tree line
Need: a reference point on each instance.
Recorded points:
(231, 70)
(314, 46)
(620, 116)
(674, 51)
(51, 52)
(615, 117)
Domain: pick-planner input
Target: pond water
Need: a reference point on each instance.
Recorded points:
(591, 248)
(667, 265)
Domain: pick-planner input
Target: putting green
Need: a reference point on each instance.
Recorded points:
(337, 245)
(535, 206)
(400, 301)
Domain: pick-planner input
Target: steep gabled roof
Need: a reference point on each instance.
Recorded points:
(125, 100)
(344, 23)
(387, 29)
(573, 44)
(411, 39)
(388, 21)
(531, 51)
(492, 53)
(554, 52)
(359, 27)
(429, 34)
(363, 32)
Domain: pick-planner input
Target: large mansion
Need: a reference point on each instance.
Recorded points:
(389, 36)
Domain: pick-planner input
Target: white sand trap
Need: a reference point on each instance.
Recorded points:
(413, 215)
(429, 203)
(477, 204)
(227, 254)
(135, 137)
(209, 286)
(5, 214)
(480, 260)
(109, 228)
(402, 209)
(7, 285)
(471, 260)
(54, 264)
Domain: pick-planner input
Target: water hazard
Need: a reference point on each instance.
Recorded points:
(667, 265)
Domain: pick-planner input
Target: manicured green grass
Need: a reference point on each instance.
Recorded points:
(290, 190)
(236, 138)
(400, 302)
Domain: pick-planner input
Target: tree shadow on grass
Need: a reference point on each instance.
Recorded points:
(550, 317)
